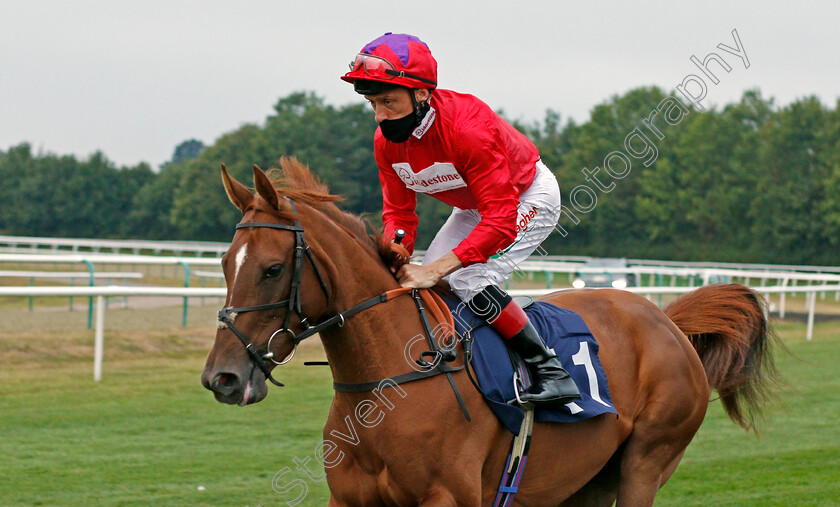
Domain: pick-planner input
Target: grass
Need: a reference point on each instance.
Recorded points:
(795, 459)
(149, 434)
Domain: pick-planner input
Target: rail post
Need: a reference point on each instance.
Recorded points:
(99, 338)
(782, 299)
(186, 285)
(90, 299)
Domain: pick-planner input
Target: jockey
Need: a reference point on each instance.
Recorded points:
(454, 148)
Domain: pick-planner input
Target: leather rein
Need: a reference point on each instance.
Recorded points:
(436, 366)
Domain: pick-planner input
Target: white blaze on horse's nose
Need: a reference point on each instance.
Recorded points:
(240, 260)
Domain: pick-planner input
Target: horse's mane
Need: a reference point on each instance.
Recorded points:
(294, 180)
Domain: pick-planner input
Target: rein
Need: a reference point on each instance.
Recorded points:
(228, 314)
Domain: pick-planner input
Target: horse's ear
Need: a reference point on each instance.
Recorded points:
(238, 194)
(265, 188)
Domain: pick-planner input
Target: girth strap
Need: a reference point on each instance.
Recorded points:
(515, 466)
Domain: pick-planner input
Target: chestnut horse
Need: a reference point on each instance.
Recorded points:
(411, 444)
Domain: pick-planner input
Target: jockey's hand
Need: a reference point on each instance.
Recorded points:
(422, 277)
(396, 256)
(417, 277)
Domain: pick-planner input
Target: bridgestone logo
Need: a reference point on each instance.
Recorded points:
(425, 124)
(438, 177)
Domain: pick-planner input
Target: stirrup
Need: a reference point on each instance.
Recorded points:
(517, 401)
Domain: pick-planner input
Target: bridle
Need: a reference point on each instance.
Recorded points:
(228, 314)
(430, 369)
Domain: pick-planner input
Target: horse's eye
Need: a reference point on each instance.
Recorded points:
(274, 271)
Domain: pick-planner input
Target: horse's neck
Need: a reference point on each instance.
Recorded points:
(370, 345)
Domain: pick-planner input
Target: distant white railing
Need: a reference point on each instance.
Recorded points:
(810, 291)
(67, 275)
(34, 244)
(111, 290)
(114, 259)
(705, 273)
(705, 276)
(114, 290)
(579, 259)
(107, 259)
(734, 265)
(21, 244)
(62, 275)
(209, 274)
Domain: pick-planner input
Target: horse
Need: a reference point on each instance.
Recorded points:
(410, 444)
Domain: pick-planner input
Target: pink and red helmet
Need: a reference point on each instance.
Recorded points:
(393, 60)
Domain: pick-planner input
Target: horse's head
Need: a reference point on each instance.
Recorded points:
(274, 286)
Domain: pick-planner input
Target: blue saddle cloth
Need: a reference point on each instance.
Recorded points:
(565, 332)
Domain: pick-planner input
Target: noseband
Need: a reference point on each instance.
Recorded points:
(292, 304)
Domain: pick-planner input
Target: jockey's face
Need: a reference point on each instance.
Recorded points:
(395, 104)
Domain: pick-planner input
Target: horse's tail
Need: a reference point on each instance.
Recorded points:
(726, 325)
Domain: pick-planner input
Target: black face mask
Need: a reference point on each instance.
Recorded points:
(399, 130)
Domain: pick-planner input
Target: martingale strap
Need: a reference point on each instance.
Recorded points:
(364, 387)
(340, 318)
(437, 367)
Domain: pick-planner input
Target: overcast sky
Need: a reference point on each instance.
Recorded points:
(135, 78)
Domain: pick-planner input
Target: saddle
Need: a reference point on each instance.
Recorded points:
(499, 372)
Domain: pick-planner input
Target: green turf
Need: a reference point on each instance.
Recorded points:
(149, 434)
(795, 460)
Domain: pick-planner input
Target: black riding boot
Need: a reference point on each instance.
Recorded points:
(550, 383)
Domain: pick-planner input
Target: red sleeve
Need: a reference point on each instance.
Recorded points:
(486, 172)
(398, 203)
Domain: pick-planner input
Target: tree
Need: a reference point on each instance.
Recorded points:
(789, 192)
(187, 150)
(745, 183)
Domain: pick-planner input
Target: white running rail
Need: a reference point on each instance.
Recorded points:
(112, 290)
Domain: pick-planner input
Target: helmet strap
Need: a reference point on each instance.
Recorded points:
(421, 107)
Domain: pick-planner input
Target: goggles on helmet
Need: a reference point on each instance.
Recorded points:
(380, 68)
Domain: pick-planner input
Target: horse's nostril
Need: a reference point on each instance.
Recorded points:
(225, 383)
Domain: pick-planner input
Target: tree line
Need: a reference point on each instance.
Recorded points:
(646, 176)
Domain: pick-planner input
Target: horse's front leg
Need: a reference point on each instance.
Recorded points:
(336, 502)
(354, 490)
(442, 497)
